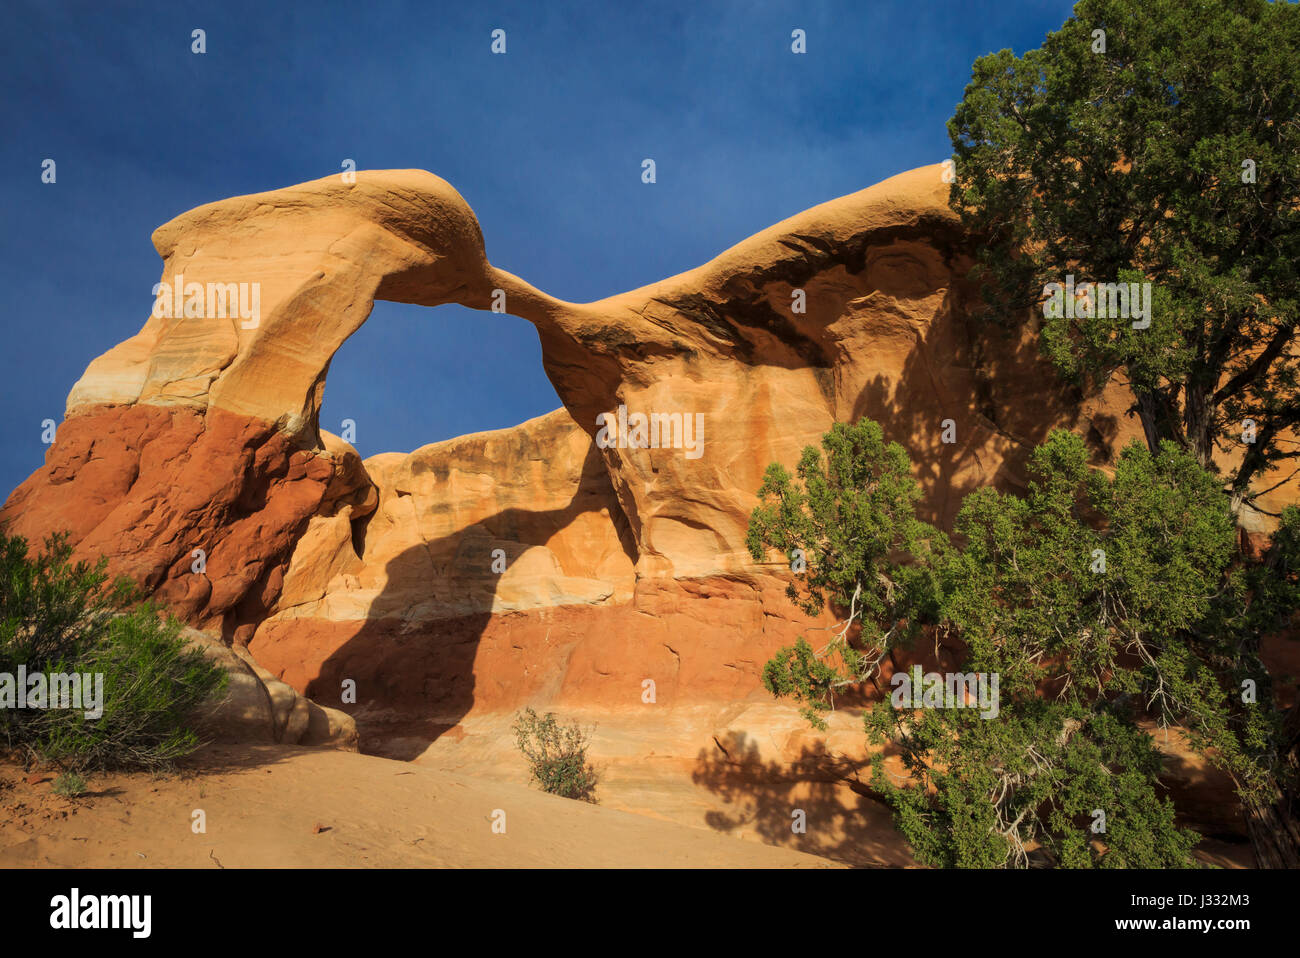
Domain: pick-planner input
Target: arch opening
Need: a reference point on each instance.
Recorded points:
(415, 375)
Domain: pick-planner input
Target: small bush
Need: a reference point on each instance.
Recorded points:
(61, 617)
(50, 608)
(152, 683)
(557, 755)
(69, 785)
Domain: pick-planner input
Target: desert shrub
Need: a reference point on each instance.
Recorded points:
(69, 785)
(57, 616)
(153, 681)
(51, 608)
(557, 755)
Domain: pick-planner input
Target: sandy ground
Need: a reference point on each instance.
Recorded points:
(675, 769)
(743, 773)
(693, 788)
(273, 806)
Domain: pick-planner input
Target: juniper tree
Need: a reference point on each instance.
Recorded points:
(844, 525)
(1152, 141)
(1157, 141)
(1098, 600)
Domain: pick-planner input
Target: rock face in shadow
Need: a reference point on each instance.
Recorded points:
(532, 565)
(256, 708)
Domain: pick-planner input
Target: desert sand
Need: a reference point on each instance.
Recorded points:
(272, 806)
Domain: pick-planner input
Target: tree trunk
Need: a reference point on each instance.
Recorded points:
(1274, 826)
(1148, 412)
(1197, 416)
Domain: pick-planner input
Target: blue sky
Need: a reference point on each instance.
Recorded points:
(545, 143)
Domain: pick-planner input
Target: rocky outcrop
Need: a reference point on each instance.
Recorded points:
(855, 307)
(626, 566)
(202, 510)
(561, 561)
(313, 258)
(257, 708)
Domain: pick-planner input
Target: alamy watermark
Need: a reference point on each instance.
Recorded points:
(55, 690)
(951, 690)
(76, 911)
(658, 430)
(182, 300)
(1099, 300)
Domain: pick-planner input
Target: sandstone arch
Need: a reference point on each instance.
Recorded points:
(321, 253)
(201, 433)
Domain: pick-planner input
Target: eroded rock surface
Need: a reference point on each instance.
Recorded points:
(529, 565)
(256, 708)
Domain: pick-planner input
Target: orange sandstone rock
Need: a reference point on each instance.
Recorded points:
(533, 564)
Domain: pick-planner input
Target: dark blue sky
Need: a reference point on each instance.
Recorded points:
(545, 143)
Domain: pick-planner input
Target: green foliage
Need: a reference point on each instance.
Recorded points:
(557, 755)
(153, 682)
(1023, 591)
(1127, 164)
(852, 513)
(1097, 600)
(50, 607)
(69, 785)
(64, 617)
(1028, 788)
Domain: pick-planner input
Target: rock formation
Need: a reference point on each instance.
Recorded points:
(621, 565)
(257, 708)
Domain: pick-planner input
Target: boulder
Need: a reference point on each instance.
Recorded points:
(258, 708)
